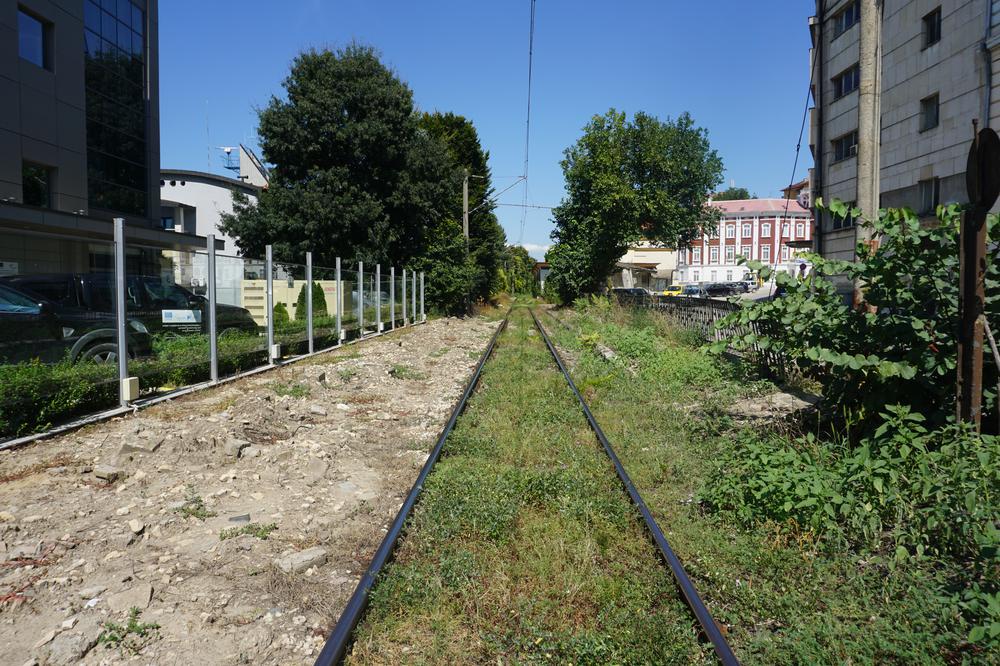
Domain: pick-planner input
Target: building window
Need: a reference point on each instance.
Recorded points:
(747, 231)
(929, 192)
(932, 28)
(36, 184)
(715, 276)
(765, 230)
(729, 276)
(713, 255)
(730, 254)
(845, 146)
(850, 15)
(786, 229)
(167, 223)
(846, 82)
(765, 253)
(847, 220)
(800, 230)
(784, 253)
(730, 231)
(115, 77)
(695, 276)
(745, 252)
(33, 37)
(696, 256)
(929, 112)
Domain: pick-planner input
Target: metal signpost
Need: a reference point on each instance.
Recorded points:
(309, 299)
(982, 179)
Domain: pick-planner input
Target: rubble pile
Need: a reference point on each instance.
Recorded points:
(228, 526)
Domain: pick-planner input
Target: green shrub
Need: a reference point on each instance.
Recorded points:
(318, 303)
(907, 492)
(902, 347)
(34, 396)
(281, 317)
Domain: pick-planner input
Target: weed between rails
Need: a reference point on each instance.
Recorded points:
(523, 546)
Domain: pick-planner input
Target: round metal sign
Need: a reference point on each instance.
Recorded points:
(982, 173)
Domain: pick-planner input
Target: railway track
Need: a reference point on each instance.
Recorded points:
(342, 636)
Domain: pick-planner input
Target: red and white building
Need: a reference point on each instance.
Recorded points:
(758, 229)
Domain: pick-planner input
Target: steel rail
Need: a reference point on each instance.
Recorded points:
(694, 601)
(342, 635)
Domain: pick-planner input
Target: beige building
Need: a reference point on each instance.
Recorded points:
(897, 85)
(646, 266)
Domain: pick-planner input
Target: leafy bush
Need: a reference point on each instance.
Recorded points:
(901, 348)
(281, 317)
(34, 396)
(906, 492)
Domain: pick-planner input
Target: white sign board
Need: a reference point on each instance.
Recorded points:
(181, 316)
(8, 268)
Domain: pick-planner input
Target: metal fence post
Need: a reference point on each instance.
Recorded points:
(378, 298)
(361, 299)
(269, 270)
(413, 297)
(120, 323)
(340, 301)
(213, 337)
(423, 315)
(404, 298)
(392, 298)
(309, 299)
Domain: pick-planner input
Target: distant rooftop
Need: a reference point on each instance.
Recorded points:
(761, 206)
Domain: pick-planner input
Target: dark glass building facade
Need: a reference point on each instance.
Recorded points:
(116, 106)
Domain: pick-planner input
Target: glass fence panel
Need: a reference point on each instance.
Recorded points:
(371, 299)
(166, 291)
(349, 320)
(400, 311)
(290, 328)
(58, 333)
(240, 313)
(325, 295)
(384, 301)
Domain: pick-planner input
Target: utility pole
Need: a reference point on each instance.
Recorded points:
(465, 210)
(869, 122)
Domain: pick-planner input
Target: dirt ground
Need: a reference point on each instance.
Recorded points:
(237, 519)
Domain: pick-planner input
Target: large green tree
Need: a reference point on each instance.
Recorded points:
(733, 194)
(486, 237)
(352, 174)
(628, 181)
(518, 272)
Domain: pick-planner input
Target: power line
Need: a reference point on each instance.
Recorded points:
(791, 181)
(514, 205)
(527, 123)
(492, 200)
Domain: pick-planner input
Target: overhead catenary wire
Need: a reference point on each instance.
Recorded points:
(527, 122)
(791, 181)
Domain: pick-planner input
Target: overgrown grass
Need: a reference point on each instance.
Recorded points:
(130, 637)
(524, 548)
(789, 594)
(400, 371)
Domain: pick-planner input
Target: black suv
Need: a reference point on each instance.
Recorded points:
(160, 305)
(630, 295)
(32, 327)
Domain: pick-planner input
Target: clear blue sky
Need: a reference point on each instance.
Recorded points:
(739, 67)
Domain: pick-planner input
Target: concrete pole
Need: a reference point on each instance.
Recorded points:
(269, 270)
(869, 122)
(465, 209)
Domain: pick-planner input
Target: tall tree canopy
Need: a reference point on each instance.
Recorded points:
(486, 237)
(733, 194)
(626, 182)
(518, 272)
(352, 176)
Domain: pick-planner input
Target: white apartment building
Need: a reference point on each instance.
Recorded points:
(897, 85)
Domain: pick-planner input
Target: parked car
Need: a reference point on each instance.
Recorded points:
(673, 290)
(630, 295)
(160, 305)
(32, 327)
(694, 291)
(717, 289)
